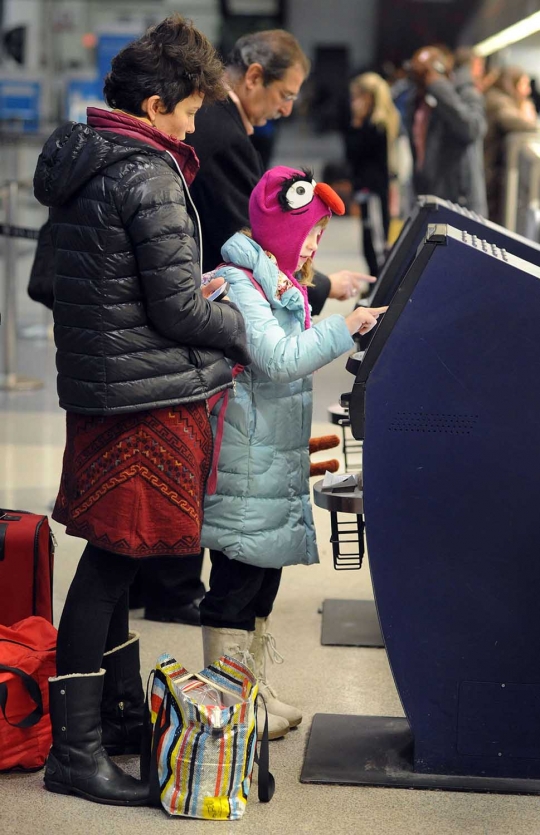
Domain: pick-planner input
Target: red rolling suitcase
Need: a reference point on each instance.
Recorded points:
(26, 566)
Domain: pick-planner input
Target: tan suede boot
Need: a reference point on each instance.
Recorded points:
(236, 643)
(263, 645)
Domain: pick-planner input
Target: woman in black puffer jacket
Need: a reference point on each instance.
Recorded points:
(139, 352)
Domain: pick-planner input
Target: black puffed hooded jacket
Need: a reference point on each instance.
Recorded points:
(132, 329)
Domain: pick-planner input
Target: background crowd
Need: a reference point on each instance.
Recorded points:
(436, 125)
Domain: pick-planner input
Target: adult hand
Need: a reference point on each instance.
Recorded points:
(345, 284)
(363, 319)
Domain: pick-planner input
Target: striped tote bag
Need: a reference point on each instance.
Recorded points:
(201, 738)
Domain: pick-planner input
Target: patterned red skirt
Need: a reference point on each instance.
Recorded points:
(134, 484)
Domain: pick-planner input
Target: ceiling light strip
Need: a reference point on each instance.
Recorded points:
(528, 26)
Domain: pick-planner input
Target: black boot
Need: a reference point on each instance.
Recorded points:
(77, 762)
(122, 705)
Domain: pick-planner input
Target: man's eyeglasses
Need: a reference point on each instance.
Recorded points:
(287, 96)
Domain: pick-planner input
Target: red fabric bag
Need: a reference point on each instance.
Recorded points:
(27, 660)
(26, 566)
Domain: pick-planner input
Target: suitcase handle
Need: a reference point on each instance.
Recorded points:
(5, 516)
(32, 688)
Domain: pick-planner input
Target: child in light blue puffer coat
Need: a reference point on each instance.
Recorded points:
(259, 518)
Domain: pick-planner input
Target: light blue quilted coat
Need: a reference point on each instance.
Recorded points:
(261, 512)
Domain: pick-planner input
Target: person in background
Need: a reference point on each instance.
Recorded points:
(259, 519)
(466, 56)
(509, 108)
(370, 149)
(139, 352)
(469, 77)
(444, 122)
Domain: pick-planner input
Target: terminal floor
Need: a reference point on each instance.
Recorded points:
(320, 679)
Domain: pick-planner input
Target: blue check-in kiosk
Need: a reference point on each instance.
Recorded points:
(354, 622)
(447, 400)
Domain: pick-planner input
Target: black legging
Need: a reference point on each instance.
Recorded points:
(96, 612)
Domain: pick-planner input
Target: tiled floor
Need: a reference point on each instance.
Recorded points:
(318, 678)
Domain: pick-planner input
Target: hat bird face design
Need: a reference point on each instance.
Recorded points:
(284, 207)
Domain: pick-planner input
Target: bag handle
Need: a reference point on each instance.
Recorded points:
(151, 737)
(188, 676)
(32, 688)
(266, 782)
(213, 684)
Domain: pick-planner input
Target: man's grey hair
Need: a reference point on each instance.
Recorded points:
(274, 49)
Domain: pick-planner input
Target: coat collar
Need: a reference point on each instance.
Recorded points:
(116, 121)
(244, 252)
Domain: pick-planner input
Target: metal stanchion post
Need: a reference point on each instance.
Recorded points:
(511, 183)
(514, 145)
(9, 379)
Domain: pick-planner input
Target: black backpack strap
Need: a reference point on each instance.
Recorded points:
(32, 688)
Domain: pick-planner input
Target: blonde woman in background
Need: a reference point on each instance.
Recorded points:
(370, 147)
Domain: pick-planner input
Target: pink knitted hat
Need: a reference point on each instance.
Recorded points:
(284, 207)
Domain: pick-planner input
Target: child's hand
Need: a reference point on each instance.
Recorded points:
(363, 319)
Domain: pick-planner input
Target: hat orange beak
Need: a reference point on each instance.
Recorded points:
(330, 197)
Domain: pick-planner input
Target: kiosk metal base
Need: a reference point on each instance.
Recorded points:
(350, 623)
(378, 751)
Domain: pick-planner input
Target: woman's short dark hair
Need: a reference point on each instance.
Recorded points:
(274, 49)
(171, 60)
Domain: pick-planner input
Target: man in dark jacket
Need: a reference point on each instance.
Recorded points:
(446, 125)
(265, 72)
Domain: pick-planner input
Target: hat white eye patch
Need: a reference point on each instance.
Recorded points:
(300, 194)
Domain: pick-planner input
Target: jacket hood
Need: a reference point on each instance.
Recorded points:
(74, 154)
(244, 252)
(284, 206)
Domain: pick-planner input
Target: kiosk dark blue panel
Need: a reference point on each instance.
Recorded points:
(430, 210)
(452, 498)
